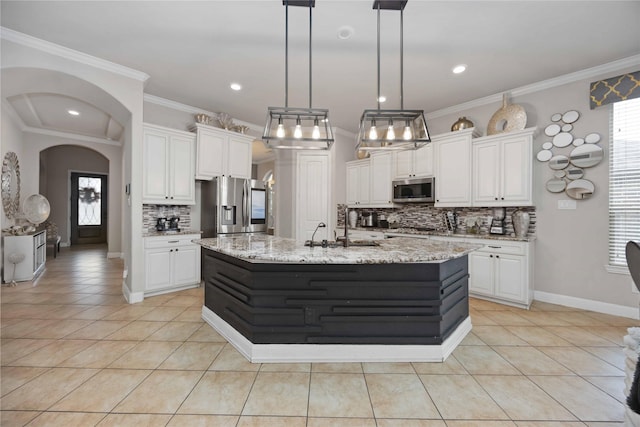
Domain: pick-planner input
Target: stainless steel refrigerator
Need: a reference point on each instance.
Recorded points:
(233, 205)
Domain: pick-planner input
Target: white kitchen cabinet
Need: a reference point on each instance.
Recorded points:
(502, 271)
(358, 183)
(168, 166)
(414, 163)
(381, 174)
(369, 181)
(222, 153)
(452, 161)
(502, 171)
(171, 263)
(34, 249)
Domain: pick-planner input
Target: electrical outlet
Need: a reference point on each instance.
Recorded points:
(567, 204)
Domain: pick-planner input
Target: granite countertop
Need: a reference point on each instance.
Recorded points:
(182, 231)
(271, 249)
(415, 232)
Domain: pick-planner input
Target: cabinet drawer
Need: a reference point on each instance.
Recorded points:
(170, 241)
(501, 247)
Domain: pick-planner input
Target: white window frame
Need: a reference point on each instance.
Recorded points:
(623, 169)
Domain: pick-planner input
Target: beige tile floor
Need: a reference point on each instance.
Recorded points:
(74, 353)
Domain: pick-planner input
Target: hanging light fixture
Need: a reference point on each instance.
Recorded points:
(405, 129)
(297, 128)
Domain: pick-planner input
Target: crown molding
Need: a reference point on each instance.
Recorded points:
(74, 136)
(73, 55)
(539, 86)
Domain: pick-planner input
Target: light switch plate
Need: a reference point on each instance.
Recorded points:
(567, 204)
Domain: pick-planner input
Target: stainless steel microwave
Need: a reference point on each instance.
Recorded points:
(414, 190)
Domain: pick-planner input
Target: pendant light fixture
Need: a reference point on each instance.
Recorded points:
(392, 129)
(297, 128)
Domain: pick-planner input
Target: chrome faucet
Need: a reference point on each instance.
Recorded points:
(346, 227)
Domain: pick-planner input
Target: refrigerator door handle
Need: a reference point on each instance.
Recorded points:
(245, 205)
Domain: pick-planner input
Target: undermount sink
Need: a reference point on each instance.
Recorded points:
(340, 243)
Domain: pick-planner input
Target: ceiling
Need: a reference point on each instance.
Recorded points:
(193, 50)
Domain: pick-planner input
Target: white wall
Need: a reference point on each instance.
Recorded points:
(571, 246)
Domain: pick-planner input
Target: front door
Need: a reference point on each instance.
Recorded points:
(88, 208)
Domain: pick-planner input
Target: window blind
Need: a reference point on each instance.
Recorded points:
(624, 179)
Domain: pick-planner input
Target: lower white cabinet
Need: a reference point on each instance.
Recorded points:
(171, 263)
(34, 249)
(502, 271)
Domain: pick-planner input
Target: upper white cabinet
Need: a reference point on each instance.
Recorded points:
(358, 183)
(168, 166)
(369, 181)
(381, 177)
(502, 173)
(414, 163)
(452, 161)
(222, 153)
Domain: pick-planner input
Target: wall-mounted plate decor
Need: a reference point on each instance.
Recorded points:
(567, 128)
(559, 162)
(580, 189)
(592, 138)
(586, 156)
(570, 116)
(552, 130)
(563, 139)
(574, 173)
(559, 174)
(578, 142)
(556, 185)
(544, 155)
(547, 145)
(556, 117)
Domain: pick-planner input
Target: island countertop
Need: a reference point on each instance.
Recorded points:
(260, 248)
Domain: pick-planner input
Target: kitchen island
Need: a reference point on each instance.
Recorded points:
(277, 300)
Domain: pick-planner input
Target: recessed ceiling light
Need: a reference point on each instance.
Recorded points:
(459, 69)
(73, 112)
(382, 98)
(235, 86)
(345, 32)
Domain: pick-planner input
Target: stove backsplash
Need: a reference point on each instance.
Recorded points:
(414, 215)
(151, 212)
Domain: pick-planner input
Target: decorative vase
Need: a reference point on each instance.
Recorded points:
(353, 219)
(521, 220)
(461, 123)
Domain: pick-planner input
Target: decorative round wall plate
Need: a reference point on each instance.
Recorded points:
(567, 128)
(592, 138)
(556, 185)
(580, 189)
(578, 142)
(558, 162)
(563, 139)
(556, 117)
(552, 130)
(570, 116)
(547, 145)
(544, 155)
(586, 156)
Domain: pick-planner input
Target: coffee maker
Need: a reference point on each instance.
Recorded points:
(497, 223)
(161, 224)
(173, 223)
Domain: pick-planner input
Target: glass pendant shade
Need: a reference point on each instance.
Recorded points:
(406, 129)
(298, 129)
(410, 124)
(292, 128)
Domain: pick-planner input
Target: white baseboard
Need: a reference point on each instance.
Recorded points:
(587, 304)
(318, 353)
(131, 297)
(114, 254)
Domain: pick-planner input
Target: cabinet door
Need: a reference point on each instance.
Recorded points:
(510, 277)
(364, 183)
(352, 184)
(211, 154)
(516, 172)
(486, 174)
(404, 164)
(158, 268)
(453, 172)
(155, 165)
(423, 161)
(239, 158)
(184, 265)
(181, 171)
(381, 177)
(481, 273)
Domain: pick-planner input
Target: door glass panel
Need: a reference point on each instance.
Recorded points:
(89, 201)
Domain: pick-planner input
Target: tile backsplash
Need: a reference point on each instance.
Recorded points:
(412, 215)
(151, 212)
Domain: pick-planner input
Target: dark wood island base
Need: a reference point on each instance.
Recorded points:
(297, 312)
